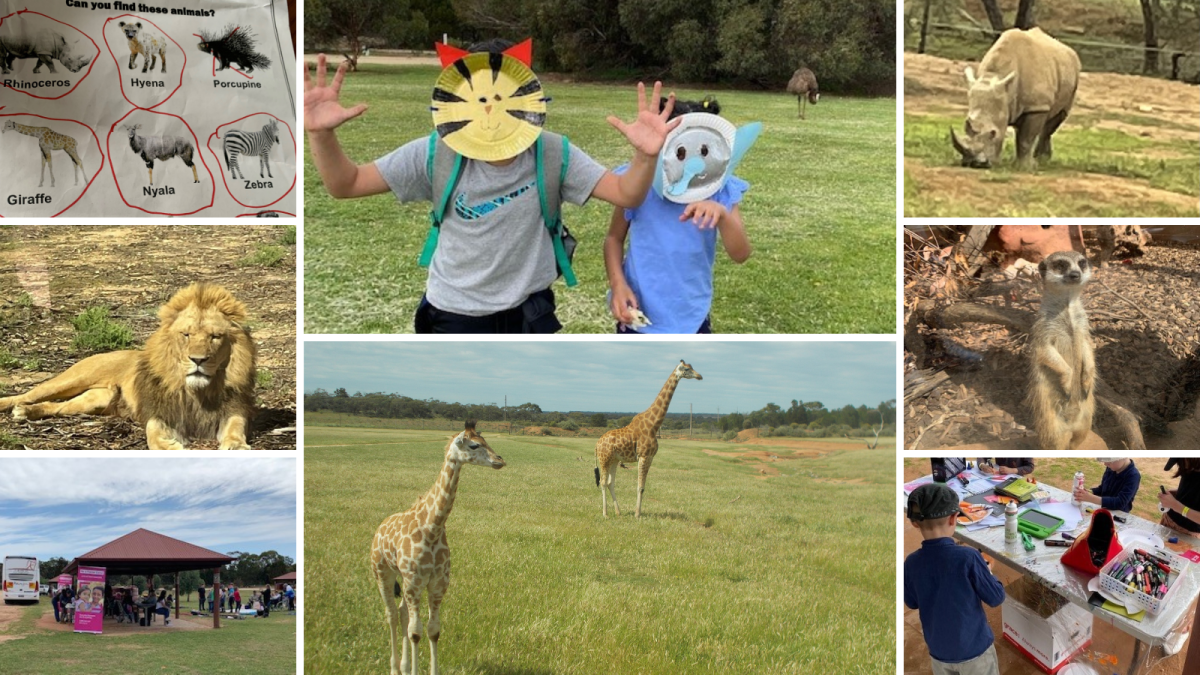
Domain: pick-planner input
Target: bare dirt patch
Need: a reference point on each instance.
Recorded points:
(8, 614)
(132, 270)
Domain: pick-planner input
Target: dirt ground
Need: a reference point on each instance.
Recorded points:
(1145, 107)
(1107, 641)
(49, 274)
(1147, 348)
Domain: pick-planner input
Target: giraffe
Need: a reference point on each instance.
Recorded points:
(637, 441)
(48, 140)
(412, 546)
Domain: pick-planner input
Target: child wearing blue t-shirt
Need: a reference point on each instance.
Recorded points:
(667, 273)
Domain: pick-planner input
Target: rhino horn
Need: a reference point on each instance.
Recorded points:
(962, 150)
(970, 73)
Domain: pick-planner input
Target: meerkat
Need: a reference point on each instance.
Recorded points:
(1063, 371)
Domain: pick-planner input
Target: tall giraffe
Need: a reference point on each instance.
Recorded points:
(412, 546)
(638, 441)
(48, 140)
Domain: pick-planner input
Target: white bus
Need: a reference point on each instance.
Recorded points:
(21, 578)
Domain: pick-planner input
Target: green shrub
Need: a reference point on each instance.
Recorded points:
(95, 332)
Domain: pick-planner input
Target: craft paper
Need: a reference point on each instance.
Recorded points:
(162, 108)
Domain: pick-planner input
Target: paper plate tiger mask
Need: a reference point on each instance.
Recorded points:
(488, 106)
(699, 155)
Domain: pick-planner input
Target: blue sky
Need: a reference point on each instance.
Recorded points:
(67, 506)
(610, 376)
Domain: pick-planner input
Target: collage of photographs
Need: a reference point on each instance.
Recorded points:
(871, 236)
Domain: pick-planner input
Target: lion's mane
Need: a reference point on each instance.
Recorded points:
(160, 385)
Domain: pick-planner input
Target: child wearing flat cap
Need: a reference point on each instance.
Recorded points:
(946, 583)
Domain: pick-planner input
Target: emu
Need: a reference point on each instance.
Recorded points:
(162, 148)
(804, 85)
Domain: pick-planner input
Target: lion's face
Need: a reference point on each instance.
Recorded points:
(202, 344)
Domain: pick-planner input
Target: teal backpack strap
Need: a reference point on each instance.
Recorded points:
(551, 174)
(443, 167)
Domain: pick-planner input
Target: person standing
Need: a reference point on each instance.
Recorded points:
(201, 596)
(237, 600)
(266, 601)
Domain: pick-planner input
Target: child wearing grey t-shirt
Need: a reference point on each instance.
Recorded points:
(494, 266)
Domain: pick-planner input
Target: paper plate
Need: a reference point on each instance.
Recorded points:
(695, 158)
(488, 106)
(1078, 669)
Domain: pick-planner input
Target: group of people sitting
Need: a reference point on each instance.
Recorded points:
(229, 599)
(122, 603)
(947, 583)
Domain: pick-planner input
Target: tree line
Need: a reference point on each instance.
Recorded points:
(849, 44)
(809, 414)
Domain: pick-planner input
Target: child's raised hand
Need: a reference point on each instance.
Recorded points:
(322, 112)
(705, 215)
(649, 130)
(622, 303)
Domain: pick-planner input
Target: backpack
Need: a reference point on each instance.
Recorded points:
(443, 166)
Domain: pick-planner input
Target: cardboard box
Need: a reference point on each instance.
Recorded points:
(1044, 626)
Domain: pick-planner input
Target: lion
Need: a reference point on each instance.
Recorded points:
(194, 379)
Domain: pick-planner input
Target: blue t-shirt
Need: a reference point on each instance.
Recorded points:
(945, 583)
(669, 264)
(1117, 490)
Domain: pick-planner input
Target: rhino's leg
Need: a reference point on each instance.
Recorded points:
(1044, 151)
(1029, 127)
(5, 64)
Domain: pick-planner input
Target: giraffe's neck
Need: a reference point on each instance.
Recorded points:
(441, 495)
(28, 131)
(658, 411)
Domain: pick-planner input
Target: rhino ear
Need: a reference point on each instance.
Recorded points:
(970, 73)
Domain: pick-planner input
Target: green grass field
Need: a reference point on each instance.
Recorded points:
(1169, 165)
(820, 214)
(261, 646)
(725, 572)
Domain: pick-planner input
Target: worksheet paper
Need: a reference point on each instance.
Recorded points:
(157, 108)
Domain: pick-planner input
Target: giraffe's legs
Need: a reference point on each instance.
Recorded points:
(610, 480)
(437, 590)
(643, 469)
(42, 178)
(397, 619)
(413, 602)
(78, 165)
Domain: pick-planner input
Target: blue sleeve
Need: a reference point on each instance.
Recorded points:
(1126, 491)
(731, 192)
(986, 585)
(910, 591)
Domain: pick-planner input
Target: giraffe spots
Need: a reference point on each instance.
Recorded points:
(417, 536)
(67, 150)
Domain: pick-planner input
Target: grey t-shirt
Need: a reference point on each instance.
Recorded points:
(493, 250)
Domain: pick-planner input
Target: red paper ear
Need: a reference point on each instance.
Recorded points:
(522, 52)
(449, 54)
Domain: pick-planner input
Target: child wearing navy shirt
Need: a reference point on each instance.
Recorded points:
(1118, 486)
(945, 583)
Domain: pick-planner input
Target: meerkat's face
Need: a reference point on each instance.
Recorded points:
(1065, 268)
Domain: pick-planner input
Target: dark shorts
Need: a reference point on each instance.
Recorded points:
(535, 315)
(705, 328)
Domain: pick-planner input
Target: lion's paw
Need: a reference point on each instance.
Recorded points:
(19, 413)
(234, 446)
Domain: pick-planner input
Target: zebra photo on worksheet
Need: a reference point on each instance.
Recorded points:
(237, 142)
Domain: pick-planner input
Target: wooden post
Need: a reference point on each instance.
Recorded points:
(177, 595)
(924, 27)
(216, 597)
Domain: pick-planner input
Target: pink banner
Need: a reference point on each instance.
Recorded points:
(89, 601)
(64, 580)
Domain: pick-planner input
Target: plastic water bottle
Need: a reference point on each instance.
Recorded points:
(1010, 523)
(1078, 486)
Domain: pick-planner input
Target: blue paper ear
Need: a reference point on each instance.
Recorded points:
(742, 140)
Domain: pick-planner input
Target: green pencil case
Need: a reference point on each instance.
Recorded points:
(1038, 524)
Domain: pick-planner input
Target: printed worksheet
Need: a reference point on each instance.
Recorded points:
(158, 108)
